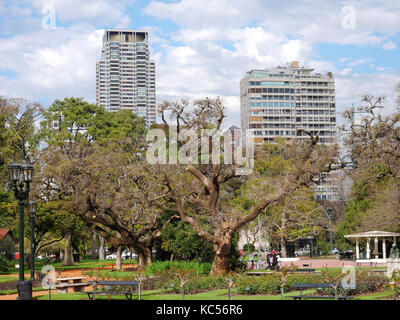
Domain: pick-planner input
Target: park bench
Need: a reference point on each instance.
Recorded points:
(302, 286)
(304, 270)
(122, 288)
(260, 273)
(62, 284)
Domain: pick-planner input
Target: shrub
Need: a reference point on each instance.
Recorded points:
(249, 247)
(366, 282)
(269, 284)
(3, 264)
(197, 267)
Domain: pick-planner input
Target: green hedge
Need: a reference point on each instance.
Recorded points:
(3, 264)
(198, 268)
(167, 279)
(269, 284)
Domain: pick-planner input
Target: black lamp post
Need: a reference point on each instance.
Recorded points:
(21, 177)
(32, 210)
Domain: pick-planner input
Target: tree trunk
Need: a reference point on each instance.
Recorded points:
(94, 245)
(101, 248)
(283, 247)
(145, 257)
(220, 264)
(118, 262)
(68, 252)
(221, 259)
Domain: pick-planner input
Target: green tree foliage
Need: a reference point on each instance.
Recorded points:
(74, 120)
(17, 138)
(180, 242)
(72, 128)
(294, 218)
(17, 131)
(374, 147)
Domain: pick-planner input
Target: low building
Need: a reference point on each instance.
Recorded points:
(7, 243)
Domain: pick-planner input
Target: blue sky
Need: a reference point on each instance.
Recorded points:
(201, 48)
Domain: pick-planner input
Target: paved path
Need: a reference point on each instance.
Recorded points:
(330, 263)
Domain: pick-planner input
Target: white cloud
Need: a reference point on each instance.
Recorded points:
(351, 87)
(51, 64)
(78, 11)
(389, 46)
(221, 13)
(217, 41)
(322, 22)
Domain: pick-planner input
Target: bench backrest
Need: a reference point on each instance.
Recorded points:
(114, 283)
(314, 285)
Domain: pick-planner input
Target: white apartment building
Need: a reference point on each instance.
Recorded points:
(125, 75)
(276, 102)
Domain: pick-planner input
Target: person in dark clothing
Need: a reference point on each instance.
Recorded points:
(274, 261)
(268, 260)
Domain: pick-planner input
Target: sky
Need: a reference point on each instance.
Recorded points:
(202, 48)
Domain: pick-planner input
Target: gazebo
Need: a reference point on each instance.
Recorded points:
(373, 235)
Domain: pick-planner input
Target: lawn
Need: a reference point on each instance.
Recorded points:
(209, 295)
(14, 291)
(159, 295)
(4, 279)
(83, 264)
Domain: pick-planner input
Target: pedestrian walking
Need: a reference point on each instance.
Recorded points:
(260, 262)
(279, 260)
(274, 260)
(268, 260)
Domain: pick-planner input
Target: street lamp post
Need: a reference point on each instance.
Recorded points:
(21, 177)
(32, 210)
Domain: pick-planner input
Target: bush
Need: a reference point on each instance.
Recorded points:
(3, 264)
(169, 281)
(269, 284)
(160, 266)
(249, 247)
(365, 283)
(325, 247)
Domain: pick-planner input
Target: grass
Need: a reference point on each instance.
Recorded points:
(376, 295)
(14, 291)
(8, 279)
(221, 294)
(83, 264)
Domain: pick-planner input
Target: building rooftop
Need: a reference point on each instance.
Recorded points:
(372, 234)
(3, 233)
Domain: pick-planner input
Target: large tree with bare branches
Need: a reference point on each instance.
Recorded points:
(373, 146)
(112, 189)
(296, 217)
(213, 199)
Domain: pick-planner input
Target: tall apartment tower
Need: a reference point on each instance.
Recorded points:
(125, 75)
(276, 102)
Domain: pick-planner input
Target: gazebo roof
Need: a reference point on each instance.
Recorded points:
(372, 234)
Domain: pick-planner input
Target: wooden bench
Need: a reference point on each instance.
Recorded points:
(305, 270)
(62, 284)
(108, 285)
(302, 286)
